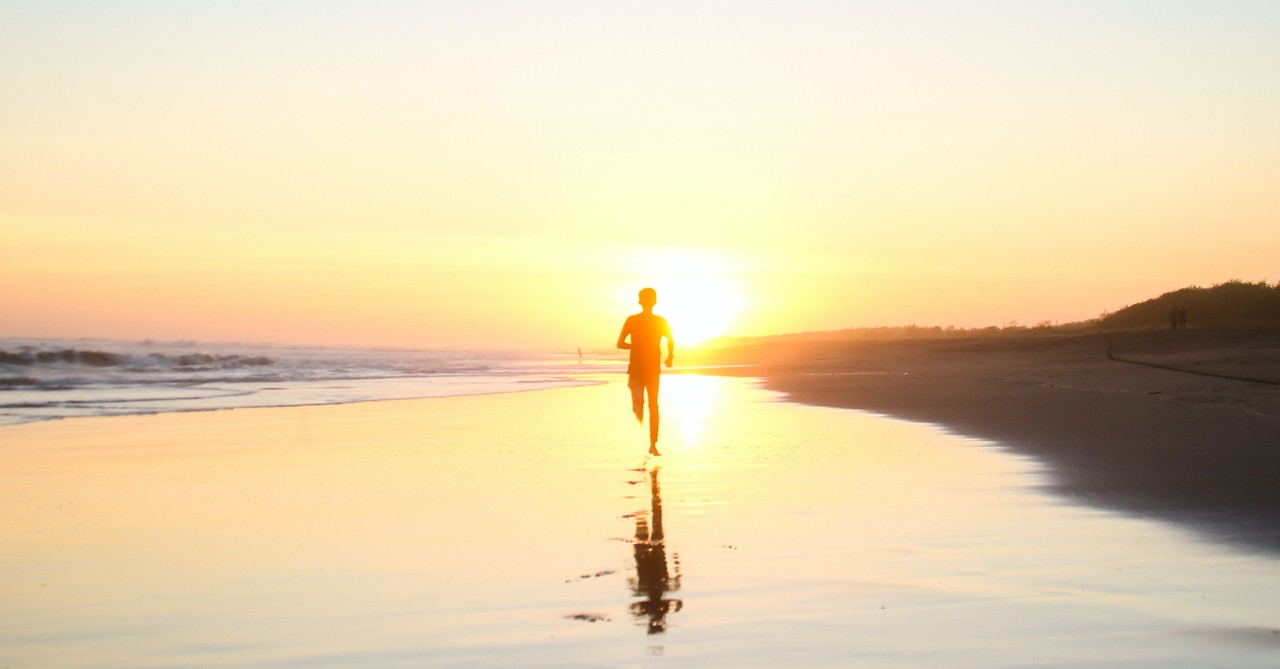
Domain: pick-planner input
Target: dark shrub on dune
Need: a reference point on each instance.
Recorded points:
(1231, 304)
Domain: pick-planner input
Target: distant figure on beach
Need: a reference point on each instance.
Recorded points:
(579, 355)
(1178, 318)
(1173, 318)
(1182, 318)
(646, 330)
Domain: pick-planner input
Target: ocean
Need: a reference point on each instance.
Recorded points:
(44, 379)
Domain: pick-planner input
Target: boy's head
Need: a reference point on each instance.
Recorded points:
(648, 297)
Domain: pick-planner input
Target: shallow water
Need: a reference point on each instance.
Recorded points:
(50, 379)
(530, 530)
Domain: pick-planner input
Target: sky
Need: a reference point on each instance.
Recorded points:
(508, 174)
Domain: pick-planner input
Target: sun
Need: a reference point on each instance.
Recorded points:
(699, 310)
(698, 293)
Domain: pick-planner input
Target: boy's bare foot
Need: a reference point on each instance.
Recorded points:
(653, 450)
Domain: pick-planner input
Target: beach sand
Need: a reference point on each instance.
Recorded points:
(1184, 426)
(530, 530)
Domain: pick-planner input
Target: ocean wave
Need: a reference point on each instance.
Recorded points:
(27, 358)
(30, 357)
(48, 379)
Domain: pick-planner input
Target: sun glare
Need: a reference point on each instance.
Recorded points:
(699, 311)
(697, 293)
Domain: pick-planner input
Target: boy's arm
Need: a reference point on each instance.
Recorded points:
(622, 336)
(671, 346)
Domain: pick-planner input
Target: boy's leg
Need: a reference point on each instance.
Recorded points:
(637, 397)
(652, 390)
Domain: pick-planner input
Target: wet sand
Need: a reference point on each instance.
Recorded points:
(1184, 426)
(530, 530)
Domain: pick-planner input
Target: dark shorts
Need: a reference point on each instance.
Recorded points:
(643, 379)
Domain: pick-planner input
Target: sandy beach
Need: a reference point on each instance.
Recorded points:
(337, 335)
(529, 529)
(1184, 426)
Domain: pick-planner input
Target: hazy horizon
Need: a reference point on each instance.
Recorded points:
(601, 347)
(504, 176)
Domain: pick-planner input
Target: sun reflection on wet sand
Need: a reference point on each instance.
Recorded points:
(690, 403)
(532, 530)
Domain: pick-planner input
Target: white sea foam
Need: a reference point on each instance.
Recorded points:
(46, 379)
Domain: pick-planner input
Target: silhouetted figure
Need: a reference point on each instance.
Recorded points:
(1173, 318)
(646, 330)
(1182, 318)
(579, 355)
(653, 580)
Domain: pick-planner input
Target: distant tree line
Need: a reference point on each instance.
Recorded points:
(1234, 304)
(903, 332)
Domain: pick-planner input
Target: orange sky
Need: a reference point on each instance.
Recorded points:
(488, 175)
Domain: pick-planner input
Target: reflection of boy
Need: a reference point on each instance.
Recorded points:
(653, 580)
(646, 330)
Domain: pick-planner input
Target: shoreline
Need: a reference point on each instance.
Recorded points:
(1156, 424)
(547, 384)
(1182, 427)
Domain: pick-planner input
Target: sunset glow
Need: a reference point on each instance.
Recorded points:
(430, 176)
(699, 292)
(703, 310)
